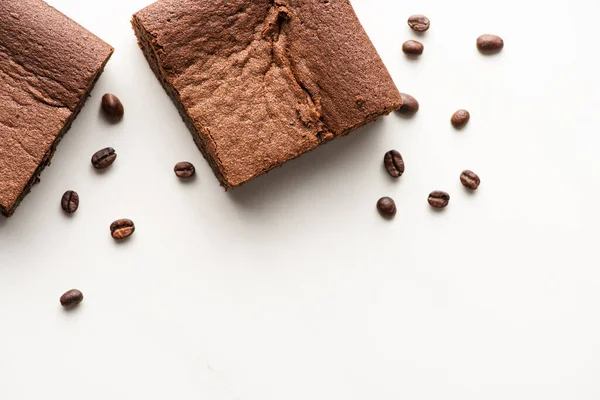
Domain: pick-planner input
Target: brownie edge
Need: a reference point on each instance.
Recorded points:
(145, 44)
(50, 153)
(261, 82)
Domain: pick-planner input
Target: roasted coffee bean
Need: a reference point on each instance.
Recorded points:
(410, 105)
(104, 158)
(460, 118)
(394, 164)
(469, 179)
(122, 228)
(386, 207)
(418, 23)
(71, 298)
(412, 48)
(112, 106)
(184, 169)
(70, 202)
(438, 199)
(489, 43)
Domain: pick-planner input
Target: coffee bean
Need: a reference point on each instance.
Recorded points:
(394, 164)
(418, 23)
(412, 48)
(70, 202)
(469, 179)
(104, 158)
(460, 118)
(386, 207)
(438, 199)
(410, 105)
(112, 106)
(489, 43)
(71, 298)
(184, 169)
(122, 228)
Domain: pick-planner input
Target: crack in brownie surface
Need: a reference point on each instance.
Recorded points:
(261, 82)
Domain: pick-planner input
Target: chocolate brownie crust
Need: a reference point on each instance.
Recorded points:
(261, 82)
(48, 66)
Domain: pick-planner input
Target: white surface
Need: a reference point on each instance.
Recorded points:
(293, 287)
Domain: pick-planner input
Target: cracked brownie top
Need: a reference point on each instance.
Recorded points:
(47, 66)
(261, 82)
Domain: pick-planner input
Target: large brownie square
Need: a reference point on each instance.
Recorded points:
(48, 66)
(259, 82)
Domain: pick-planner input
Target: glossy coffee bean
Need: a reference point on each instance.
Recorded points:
(490, 44)
(112, 106)
(394, 164)
(386, 207)
(460, 118)
(70, 202)
(412, 48)
(122, 228)
(184, 169)
(104, 158)
(470, 179)
(418, 23)
(438, 199)
(410, 105)
(71, 298)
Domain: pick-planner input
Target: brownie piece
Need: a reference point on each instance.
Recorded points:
(48, 66)
(259, 82)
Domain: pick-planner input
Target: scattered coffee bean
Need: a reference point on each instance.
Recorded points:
(412, 48)
(70, 202)
(184, 169)
(410, 105)
(112, 106)
(438, 199)
(104, 158)
(489, 43)
(122, 228)
(469, 179)
(418, 23)
(460, 118)
(71, 298)
(386, 207)
(394, 164)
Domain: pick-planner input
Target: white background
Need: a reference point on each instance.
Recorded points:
(293, 287)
